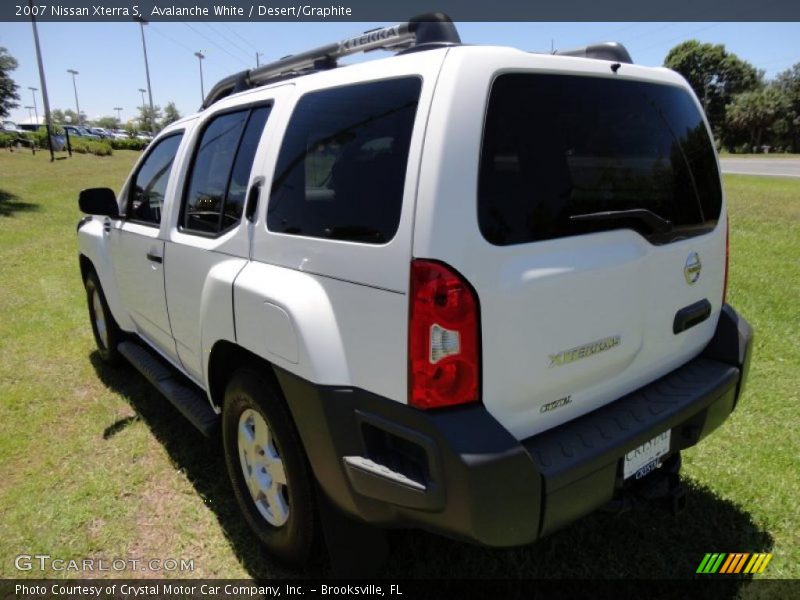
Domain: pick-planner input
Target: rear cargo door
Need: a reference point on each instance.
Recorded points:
(603, 266)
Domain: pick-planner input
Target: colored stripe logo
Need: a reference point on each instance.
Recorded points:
(736, 562)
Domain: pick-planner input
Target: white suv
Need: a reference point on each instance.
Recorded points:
(468, 289)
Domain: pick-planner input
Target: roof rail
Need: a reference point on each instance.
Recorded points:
(430, 30)
(602, 51)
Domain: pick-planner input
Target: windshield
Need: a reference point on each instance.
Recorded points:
(564, 155)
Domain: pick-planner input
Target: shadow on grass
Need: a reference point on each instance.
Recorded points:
(645, 543)
(10, 204)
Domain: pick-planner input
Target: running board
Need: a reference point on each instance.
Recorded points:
(186, 398)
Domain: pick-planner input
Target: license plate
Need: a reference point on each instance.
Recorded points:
(646, 458)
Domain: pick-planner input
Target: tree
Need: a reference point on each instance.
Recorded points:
(148, 119)
(756, 112)
(8, 87)
(70, 116)
(788, 123)
(57, 115)
(171, 114)
(106, 122)
(715, 75)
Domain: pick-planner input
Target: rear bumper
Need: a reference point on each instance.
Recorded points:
(458, 472)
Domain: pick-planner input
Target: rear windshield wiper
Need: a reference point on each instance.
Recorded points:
(648, 217)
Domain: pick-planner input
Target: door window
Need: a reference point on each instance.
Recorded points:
(217, 183)
(149, 185)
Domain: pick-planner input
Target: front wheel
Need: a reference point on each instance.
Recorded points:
(107, 333)
(267, 467)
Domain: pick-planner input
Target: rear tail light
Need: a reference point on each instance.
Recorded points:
(443, 338)
(727, 258)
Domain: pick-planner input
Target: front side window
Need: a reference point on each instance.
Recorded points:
(217, 183)
(564, 155)
(342, 166)
(150, 182)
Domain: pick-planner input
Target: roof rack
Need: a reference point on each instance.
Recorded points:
(426, 31)
(602, 51)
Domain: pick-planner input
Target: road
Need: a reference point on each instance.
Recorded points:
(769, 167)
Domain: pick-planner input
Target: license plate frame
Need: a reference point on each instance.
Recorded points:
(646, 458)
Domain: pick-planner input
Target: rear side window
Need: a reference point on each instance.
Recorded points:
(217, 183)
(150, 182)
(564, 155)
(342, 166)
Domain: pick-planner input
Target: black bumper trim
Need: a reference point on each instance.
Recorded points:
(580, 461)
(483, 485)
(571, 451)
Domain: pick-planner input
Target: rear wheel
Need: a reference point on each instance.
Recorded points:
(267, 466)
(107, 333)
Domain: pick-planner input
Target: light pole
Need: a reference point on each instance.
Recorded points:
(119, 115)
(30, 114)
(43, 83)
(75, 87)
(200, 56)
(258, 54)
(142, 23)
(35, 110)
(144, 107)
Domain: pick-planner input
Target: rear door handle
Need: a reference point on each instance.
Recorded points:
(155, 258)
(252, 199)
(691, 315)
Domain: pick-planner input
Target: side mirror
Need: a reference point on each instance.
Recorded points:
(98, 201)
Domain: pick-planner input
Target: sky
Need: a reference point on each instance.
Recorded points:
(110, 63)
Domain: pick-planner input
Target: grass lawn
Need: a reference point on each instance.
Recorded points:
(95, 463)
(777, 155)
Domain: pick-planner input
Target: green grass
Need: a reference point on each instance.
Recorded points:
(95, 464)
(725, 154)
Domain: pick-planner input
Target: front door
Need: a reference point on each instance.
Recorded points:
(137, 249)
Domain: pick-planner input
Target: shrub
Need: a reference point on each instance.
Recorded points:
(7, 139)
(95, 147)
(128, 144)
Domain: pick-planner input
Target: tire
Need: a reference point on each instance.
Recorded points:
(267, 466)
(107, 333)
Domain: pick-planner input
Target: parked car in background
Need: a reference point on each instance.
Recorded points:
(83, 132)
(100, 132)
(10, 127)
(120, 134)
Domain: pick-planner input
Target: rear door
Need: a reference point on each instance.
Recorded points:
(598, 200)
(209, 242)
(598, 197)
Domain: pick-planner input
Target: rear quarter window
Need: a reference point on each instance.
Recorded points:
(342, 165)
(559, 149)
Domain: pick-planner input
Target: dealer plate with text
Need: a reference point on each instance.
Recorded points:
(647, 457)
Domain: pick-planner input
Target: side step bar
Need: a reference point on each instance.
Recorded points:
(186, 398)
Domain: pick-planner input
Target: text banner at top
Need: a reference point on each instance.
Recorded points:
(401, 10)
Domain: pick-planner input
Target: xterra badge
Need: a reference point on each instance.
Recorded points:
(567, 356)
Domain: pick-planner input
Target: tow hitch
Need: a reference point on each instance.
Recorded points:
(662, 488)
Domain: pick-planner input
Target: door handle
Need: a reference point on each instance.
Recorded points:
(252, 198)
(155, 258)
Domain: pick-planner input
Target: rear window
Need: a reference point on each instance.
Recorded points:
(342, 165)
(565, 155)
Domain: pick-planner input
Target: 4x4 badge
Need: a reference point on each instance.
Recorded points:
(692, 268)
